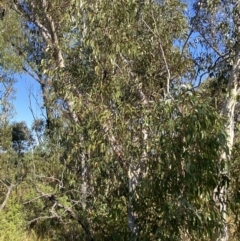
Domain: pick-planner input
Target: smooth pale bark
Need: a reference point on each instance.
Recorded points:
(133, 181)
(134, 168)
(137, 169)
(228, 112)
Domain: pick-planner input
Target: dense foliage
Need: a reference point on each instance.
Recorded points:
(139, 137)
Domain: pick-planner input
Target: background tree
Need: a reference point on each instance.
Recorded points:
(22, 138)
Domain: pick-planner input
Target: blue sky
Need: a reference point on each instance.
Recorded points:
(27, 90)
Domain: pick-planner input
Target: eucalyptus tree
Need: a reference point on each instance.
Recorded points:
(217, 24)
(119, 74)
(121, 86)
(22, 138)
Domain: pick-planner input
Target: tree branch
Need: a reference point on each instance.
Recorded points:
(9, 190)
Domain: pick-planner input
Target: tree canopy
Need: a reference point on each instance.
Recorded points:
(140, 136)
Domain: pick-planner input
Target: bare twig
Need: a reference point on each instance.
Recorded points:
(189, 34)
(211, 46)
(163, 54)
(32, 75)
(56, 204)
(39, 218)
(9, 190)
(219, 60)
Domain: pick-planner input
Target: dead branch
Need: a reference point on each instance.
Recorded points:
(9, 190)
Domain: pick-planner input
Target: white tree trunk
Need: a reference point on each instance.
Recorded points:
(228, 112)
(133, 179)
